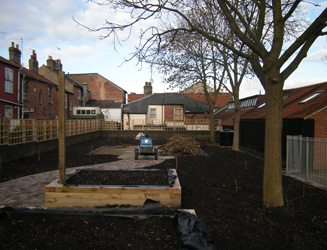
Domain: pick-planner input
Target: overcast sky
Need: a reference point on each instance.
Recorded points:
(47, 27)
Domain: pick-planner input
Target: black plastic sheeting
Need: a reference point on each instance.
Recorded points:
(193, 232)
(171, 177)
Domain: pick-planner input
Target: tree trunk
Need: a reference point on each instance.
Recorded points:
(237, 118)
(272, 176)
(212, 125)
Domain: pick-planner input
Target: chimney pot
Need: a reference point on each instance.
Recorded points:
(147, 89)
(14, 54)
(33, 63)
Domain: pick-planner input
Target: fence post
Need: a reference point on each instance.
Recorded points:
(61, 128)
(307, 159)
(287, 152)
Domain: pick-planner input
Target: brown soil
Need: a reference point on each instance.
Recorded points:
(225, 190)
(121, 177)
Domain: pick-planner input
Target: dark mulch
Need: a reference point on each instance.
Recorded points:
(131, 178)
(76, 155)
(225, 189)
(44, 231)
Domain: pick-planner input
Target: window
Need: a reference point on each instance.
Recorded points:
(178, 114)
(153, 113)
(261, 105)
(66, 101)
(40, 97)
(49, 95)
(25, 91)
(231, 106)
(311, 97)
(79, 94)
(8, 111)
(9, 81)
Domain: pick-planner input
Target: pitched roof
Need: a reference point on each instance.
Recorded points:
(105, 104)
(41, 78)
(6, 61)
(227, 113)
(295, 104)
(222, 98)
(190, 105)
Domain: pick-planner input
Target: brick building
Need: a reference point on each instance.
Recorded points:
(101, 89)
(76, 92)
(26, 93)
(166, 108)
(198, 94)
(10, 99)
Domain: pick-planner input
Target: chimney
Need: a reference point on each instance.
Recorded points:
(33, 63)
(51, 63)
(147, 89)
(84, 95)
(14, 53)
(58, 65)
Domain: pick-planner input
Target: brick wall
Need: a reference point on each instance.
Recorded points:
(44, 110)
(321, 124)
(169, 111)
(102, 90)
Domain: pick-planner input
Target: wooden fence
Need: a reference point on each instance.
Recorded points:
(22, 131)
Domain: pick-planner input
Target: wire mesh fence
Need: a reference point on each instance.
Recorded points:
(307, 159)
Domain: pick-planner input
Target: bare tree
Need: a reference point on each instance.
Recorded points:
(189, 58)
(265, 27)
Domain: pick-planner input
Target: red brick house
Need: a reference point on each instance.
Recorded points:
(10, 102)
(76, 91)
(304, 113)
(26, 93)
(101, 89)
(166, 109)
(40, 95)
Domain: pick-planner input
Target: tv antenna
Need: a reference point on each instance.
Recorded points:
(59, 51)
(21, 42)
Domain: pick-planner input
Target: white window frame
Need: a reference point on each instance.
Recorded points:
(9, 80)
(49, 95)
(66, 106)
(79, 94)
(153, 115)
(40, 98)
(178, 117)
(9, 112)
(312, 96)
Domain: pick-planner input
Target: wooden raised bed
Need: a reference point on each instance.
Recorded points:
(57, 195)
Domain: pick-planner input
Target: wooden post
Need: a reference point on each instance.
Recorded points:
(61, 129)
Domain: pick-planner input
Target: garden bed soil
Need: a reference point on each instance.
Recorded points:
(224, 188)
(121, 177)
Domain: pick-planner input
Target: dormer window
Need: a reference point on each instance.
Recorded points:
(311, 97)
(261, 105)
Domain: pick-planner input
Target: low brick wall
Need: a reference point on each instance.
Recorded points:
(14, 152)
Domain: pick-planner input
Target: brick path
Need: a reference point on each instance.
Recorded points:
(28, 191)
